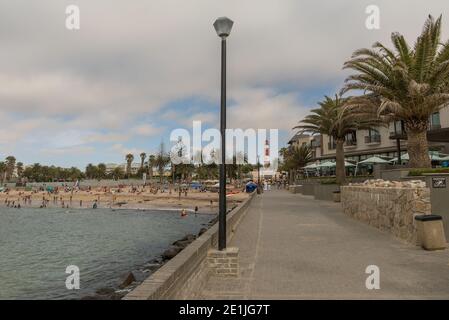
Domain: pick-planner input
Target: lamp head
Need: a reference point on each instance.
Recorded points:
(223, 26)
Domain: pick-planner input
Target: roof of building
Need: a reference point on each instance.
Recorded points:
(298, 136)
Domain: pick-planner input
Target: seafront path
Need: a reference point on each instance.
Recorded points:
(295, 247)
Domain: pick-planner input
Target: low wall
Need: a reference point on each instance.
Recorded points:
(389, 209)
(295, 188)
(183, 276)
(308, 188)
(325, 191)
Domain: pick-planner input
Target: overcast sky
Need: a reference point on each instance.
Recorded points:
(137, 69)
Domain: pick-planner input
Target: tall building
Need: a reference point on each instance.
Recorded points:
(387, 141)
(313, 141)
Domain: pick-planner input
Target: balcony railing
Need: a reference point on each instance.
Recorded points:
(350, 143)
(372, 139)
(315, 144)
(398, 134)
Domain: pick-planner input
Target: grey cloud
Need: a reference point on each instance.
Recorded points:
(131, 58)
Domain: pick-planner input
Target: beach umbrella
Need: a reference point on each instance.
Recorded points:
(349, 164)
(326, 164)
(403, 157)
(374, 160)
(331, 164)
(371, 160)
(434, 156)
(311, 166)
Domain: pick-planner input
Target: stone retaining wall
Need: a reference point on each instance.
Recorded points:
(183, 276)
(389, 209)
(325, 191)
(308, 189)
(295, 188)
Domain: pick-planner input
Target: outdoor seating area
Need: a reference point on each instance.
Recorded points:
(326, 168)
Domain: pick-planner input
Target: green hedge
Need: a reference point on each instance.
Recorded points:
(419, 172)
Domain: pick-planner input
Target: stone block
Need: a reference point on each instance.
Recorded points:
(224, 262)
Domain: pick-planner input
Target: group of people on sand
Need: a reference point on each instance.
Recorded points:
(12, 204)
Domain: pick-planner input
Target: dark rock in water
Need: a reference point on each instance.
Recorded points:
(182, 243)
(171, 253)
(94, 297)
(105, 294)
(153, 265)
(139, 275)
(155, 261)
(105, 291)
(213, 221)
(117, 296)
(189, 237)
(202, 230)
(127, 280)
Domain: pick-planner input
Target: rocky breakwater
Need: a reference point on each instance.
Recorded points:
(132, 279)
(388, 205)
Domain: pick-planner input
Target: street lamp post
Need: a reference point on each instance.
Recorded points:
(223, 27)
(258, 175)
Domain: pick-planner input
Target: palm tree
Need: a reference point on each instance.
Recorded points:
(143, 156)
(19, 168)
(118, 173)
(101, 168)
(129, 160)
(10, 166)
(404, 83)
(91, 170)
(296, 158)
(2, 171)
(151, 164)
(330, 119)
(161, 161)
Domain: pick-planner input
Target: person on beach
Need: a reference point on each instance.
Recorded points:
(196, 210)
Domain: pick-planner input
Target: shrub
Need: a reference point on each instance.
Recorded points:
(420, 172)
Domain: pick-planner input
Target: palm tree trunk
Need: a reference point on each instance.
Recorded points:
(340, 161)
(418, 149)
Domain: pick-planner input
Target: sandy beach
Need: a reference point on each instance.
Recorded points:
(127, 197)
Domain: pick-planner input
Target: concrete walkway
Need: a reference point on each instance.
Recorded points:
(295, 247)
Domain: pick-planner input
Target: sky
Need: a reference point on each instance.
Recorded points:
(136, 70)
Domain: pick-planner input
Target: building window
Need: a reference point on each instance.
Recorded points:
(399, 127)
(351, 138)
(435, 121)
(373, 136)
(331, 145)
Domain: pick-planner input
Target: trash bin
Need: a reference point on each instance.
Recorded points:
(431, 232)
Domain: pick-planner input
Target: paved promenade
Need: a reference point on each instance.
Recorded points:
(295, 247)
